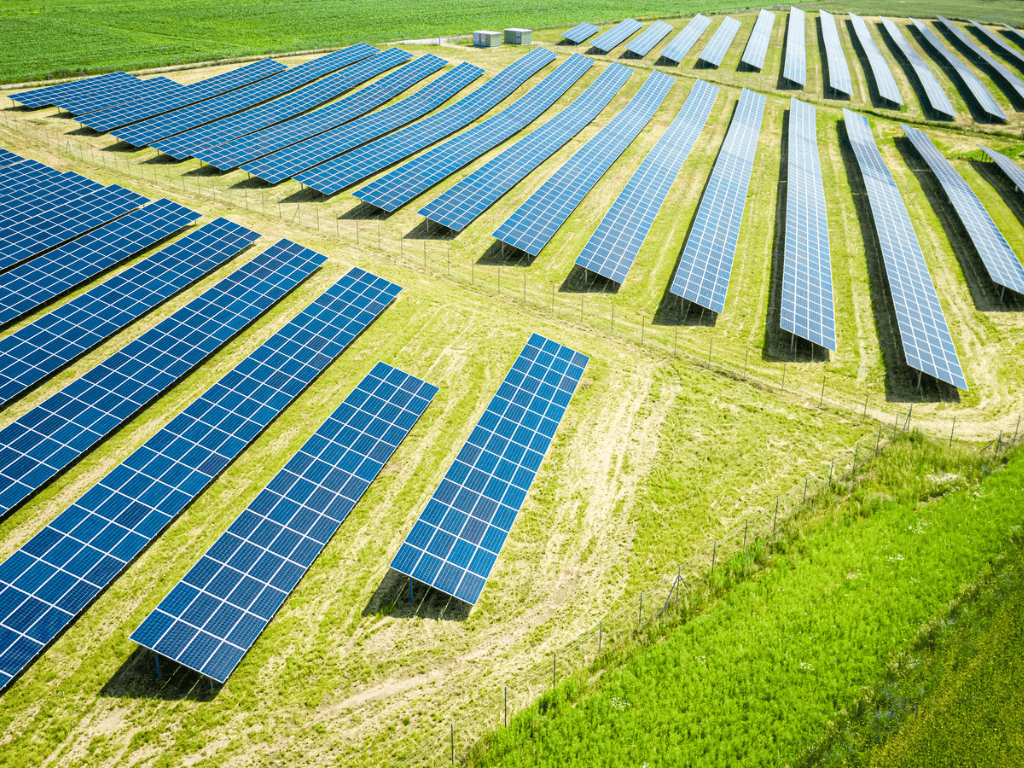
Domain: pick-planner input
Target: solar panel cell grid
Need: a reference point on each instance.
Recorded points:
(719, 43)
(582, 31)
(616, 35)
(760, 36)
(682, 43)
(838, 68)
(8, 158)
(653, 35)
(795, 67)
(884, 80)
(937, 98)
(119, 94)
(43, 97)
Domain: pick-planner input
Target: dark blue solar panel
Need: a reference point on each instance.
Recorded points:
(398, 187)
(43, 97)
(35, 351)
(795, 66)
(582, 31)
(613, 247)
(457, 207)
(285, 528)
(120, 94)
(886, 83)
(56, 433)
(719, 43)
(616, 35)
(1009, 78)
(457, 539)
(653, 35)
(7, 157)
(757, 43)
(359, 163)
(30, 188)
(933, 92)
(838, 68)
(93, 541)
(682, 43)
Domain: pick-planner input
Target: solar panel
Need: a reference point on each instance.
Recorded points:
(682, 43)
(884, 80)
(35, 351)
(212, 617)
(365, 161)
(1007, 166)
(757, 43)
(120, 94)
(613, 247)
(59, 431)
(838, 68)
(535, 222)
(581, 32)
(616, 35)
(396, 188)
(1011, 80)
(26, 288)
(201, 142)
(795, 67)
(8, 158)
(186, 118)
(981, 96)
(47, 583)
(43, 97)
(998, 44)
(706, 264)
(31, 188)
(458, 206)
(247, 148)
(308, 153)
(927, 345)
(1015, 32)
(933, 92)
(808, 307)
(653, 35)
(719, 43)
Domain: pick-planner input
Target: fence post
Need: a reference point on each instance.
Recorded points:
(856, 450)
(775, 520)
(1016, 429)
(954, 427)
(878, 440)
(506, 706)
(866, 396)
(910, 413)
(806, 481)
(746, 525)
(821, 400)
(710, 344)
(554, 668)
(831, 469)
(600, 636)
(643, 323)
(714, 551)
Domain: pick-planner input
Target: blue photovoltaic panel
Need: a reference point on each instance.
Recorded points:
(43, 97)
(120, 94)
(884, 80)
(838, 68)
(706, 263)
(36, 282)
(927, 345)
(35, 351)
(457, 539)
(49, 581)
(245, 148)
(211, 619)
(613, 248)
(616, 35)
(719, 43)
(8, 158)
(582, 31)
(653, 35)
(1008, 77)
(396, 188)
(757, 43)
(1000, 261)
(533, 225)
(287, 162)
(1015, 32)
(981, 95)
(186, 118)
(115, 117)
(1007, 166)
(997, 43)
(200, 142)
(457, 207)
(28, 188)
(681, 44)
(365, 161)
(795, 66)
(56, 433)
(937, 98)
(808, 306)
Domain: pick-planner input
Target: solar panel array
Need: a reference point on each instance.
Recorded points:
(795, 66)
(838, 68)
(43, 97)
(457, 539)
(1002, 264)
(582, 31)
(884, 79)
(360, 163)
(1007, 166)
(247, 148)
(808, 306)
(757, 43)
(927, 345)
(309, 153)
(1006, 75)
(29, 188)
(1015, 32)
(1005, 50)
(616, 35)
(56, 433)
(99, 89)
(396, 188)
(212, 617)
(119, 94)
(653, 35)
(981, 95)
(937, 98)
(458, 206)
(612, 249)
(180, 120)
(719, 43)
(706, 263)
(535, 222)
(37, 350)
(36, 282)
(682, 43)
(8, 158)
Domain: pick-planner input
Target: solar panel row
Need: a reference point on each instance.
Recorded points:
(43, 97)
(884, 80)
(535, 222)
(612, 249)
(795, 67)
(719, 43)
(706, 264)
(119, 94)
(212, 617)
(616, 35)
(998, 44)
(1015, 32)
(398, 187)
(937, 98)
(31, 188)
(457, 207)
(681, 44)
(457, 539)
(582, 31)
(1007, 166)
(653, 35)
(838, 68)
(927, 345)
(1011, 80)
(757, 43)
